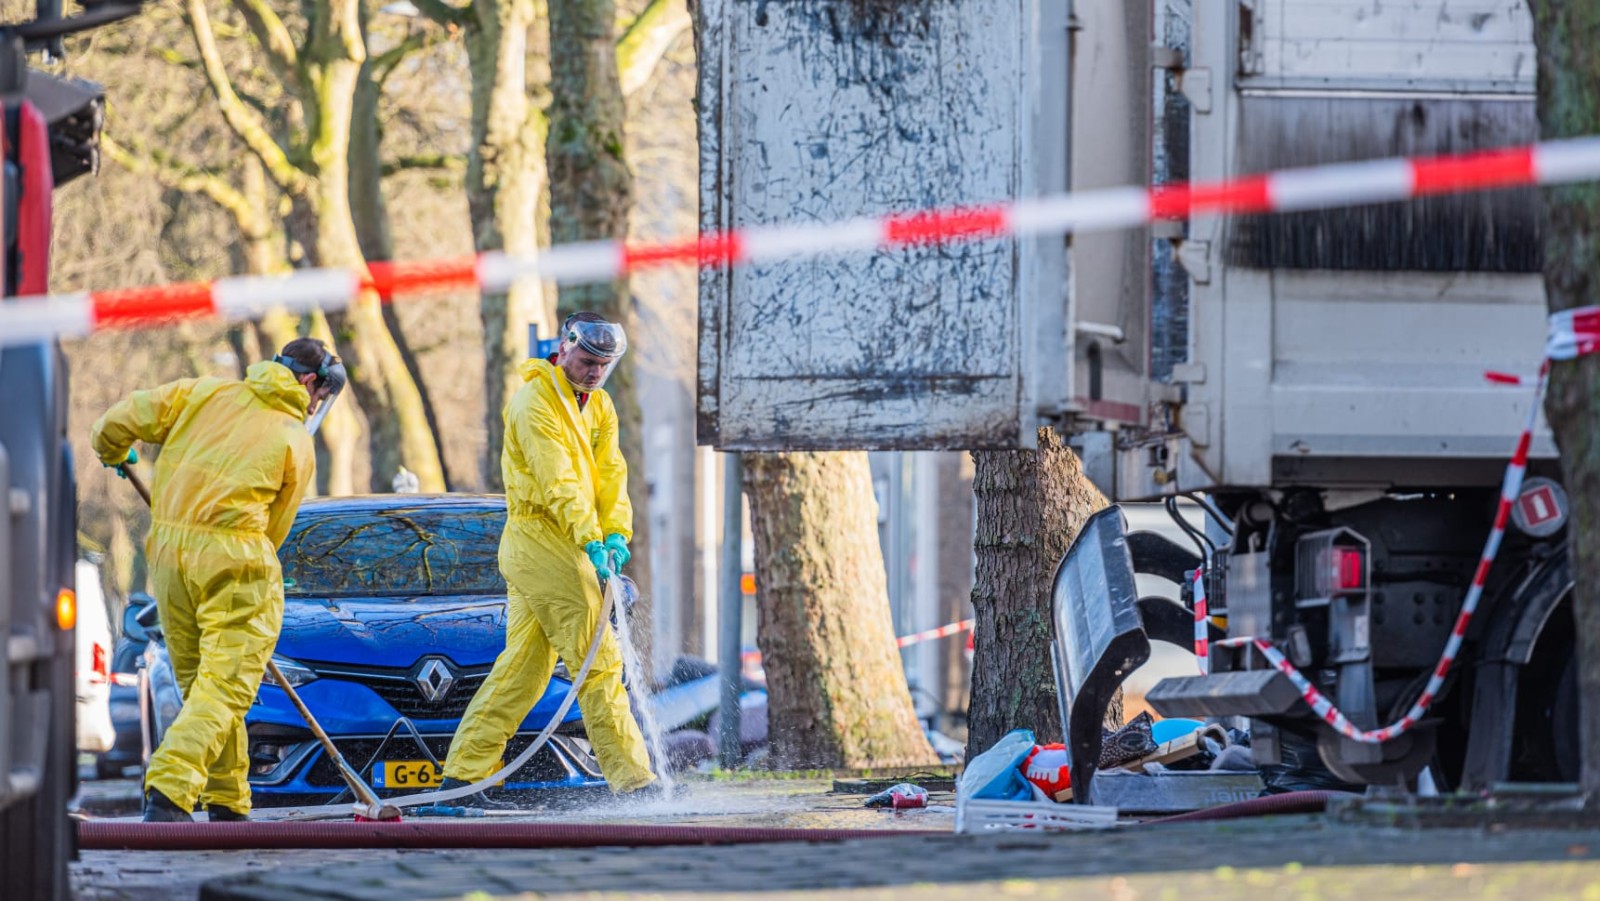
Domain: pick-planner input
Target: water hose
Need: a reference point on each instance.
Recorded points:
(109, 835)
(437, 798)
(1315, 801)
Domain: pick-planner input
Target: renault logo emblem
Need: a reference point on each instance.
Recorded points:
(434, 679)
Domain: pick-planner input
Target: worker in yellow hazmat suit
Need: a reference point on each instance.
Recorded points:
(236, 459)
(568, 521)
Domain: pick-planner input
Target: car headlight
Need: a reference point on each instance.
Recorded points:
(294, 672)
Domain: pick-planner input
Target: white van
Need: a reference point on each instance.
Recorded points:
(95, 733)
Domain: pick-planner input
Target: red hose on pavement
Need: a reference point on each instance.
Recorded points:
(1269, 805)
(101, 835)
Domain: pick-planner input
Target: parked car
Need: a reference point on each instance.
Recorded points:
(394, 613)
(93, 683)
(127, 752)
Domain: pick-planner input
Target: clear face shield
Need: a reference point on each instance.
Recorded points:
(590, 352)
(331, 378)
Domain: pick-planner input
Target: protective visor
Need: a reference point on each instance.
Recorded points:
(602, 342)
(331, 375)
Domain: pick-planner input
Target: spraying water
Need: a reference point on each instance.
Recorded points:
(638, 681)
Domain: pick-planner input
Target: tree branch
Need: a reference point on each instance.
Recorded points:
(646, 40)
(443, 13)
(244, 121)
(383, 65)
(274, 38)
(453, 162)
(190, 180)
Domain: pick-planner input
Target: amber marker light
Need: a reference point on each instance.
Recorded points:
(66, 609)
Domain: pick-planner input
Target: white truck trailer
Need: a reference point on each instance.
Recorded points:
(1317, 378)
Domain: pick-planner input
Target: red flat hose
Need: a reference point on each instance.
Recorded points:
(105, 835)
(1269, 805)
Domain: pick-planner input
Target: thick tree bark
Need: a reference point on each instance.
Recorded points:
(370, 210)
(398, 432)
(591, 191)
(837, 692)
(319, 73)
(1031, 505)
(1569, 106)
(505, 181)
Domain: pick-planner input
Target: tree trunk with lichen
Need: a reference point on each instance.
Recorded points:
(591, 191)
(505, 181)
(370, 212)
(837, 695)
(319, 72)
(398, 432)
(1031, 506)
(1569, 106)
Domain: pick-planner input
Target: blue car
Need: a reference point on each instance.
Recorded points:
(394, 613)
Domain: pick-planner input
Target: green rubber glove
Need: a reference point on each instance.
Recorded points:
(618, 546)
(600, 556)
(121, 468)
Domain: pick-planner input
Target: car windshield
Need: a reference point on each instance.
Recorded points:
(405, 552)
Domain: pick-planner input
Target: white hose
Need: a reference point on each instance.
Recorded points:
(435, 797)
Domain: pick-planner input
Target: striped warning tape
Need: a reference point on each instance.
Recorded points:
(1567, 339)
(1347, 184)
(1202, 623)
(931, 634)
(944, 631)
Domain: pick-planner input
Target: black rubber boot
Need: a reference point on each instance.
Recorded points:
(481, 800)
(158, 808)
(655, 791)
(219, 814)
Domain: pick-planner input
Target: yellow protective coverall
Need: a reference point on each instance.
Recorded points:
(235, 462)
(564, 489)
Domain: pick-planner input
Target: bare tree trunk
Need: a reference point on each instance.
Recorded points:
(318, 73)
(505, 181)
(591, 191)
(1031, 505)
(398, 430)
(837, 692)
(955, 572)
(265, 254)
(1569, 69)
(370, 210)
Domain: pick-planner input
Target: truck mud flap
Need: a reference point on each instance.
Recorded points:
(1099, 638)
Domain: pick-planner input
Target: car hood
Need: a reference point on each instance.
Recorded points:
(393, 631)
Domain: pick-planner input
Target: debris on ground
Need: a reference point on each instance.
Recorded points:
(902, 796)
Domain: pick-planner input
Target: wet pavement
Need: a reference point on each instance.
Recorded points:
(1290, 858)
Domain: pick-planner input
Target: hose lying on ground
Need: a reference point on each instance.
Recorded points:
(1268, 805)
(107, 835)
(493, 779)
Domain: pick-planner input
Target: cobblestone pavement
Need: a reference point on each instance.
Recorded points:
(1288, 858)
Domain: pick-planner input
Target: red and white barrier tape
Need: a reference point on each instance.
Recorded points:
(1202, 624)
(1569, 342)
(931, 634)
(1347, 184)
(944, 631)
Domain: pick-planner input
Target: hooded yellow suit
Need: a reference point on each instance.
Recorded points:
(566, 485)
(235, 462)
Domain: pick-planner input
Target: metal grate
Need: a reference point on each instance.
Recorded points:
(398, 690)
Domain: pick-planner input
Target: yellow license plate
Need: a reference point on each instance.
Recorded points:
(410, 774)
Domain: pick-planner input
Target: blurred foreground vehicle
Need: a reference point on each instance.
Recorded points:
(394, 612)
(49, 135)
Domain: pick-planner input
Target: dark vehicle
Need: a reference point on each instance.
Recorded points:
(48, 136)
(394, 613)
(127, 749)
